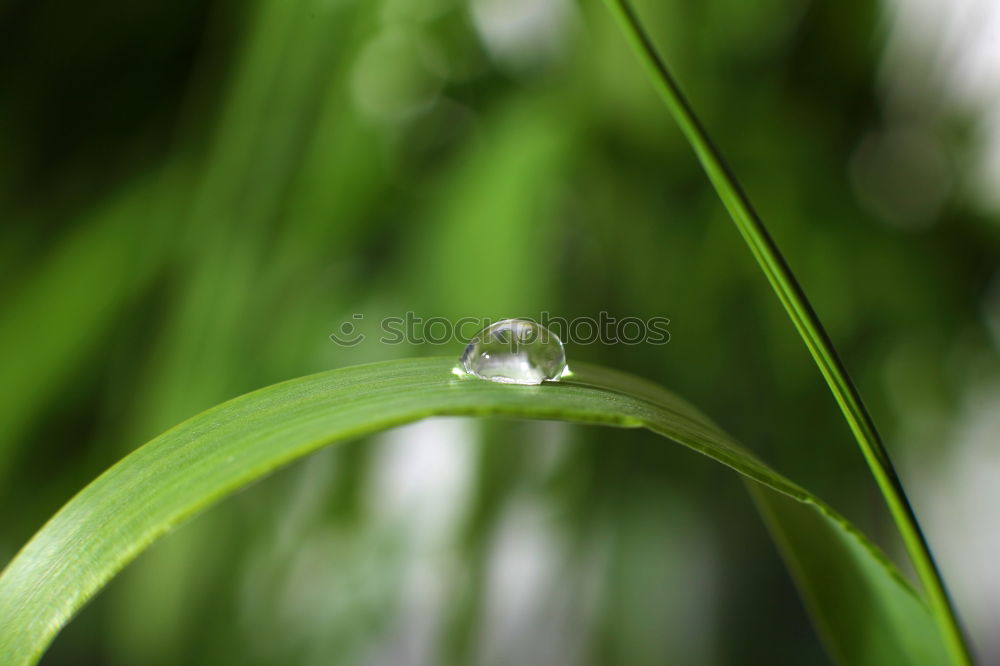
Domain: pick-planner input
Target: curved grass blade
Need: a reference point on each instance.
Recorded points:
(806, 322)
(209, 456)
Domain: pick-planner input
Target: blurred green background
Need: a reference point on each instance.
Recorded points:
(195, 195)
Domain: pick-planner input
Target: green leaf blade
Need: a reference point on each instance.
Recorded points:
(806, 322)
(209, 456)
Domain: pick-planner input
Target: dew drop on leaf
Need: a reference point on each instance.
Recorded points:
(515, 351)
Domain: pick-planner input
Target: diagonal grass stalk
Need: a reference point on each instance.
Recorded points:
(794, 300)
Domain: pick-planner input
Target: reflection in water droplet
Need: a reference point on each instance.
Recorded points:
(515, 351)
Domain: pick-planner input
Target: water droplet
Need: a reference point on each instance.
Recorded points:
(515, 351)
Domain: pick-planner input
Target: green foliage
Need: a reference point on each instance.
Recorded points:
(195, 194)
(213, 454)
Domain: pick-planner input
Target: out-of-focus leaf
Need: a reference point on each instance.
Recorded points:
(67, 302)
(209, 456)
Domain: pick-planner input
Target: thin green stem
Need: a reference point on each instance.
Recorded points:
(806, 322)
